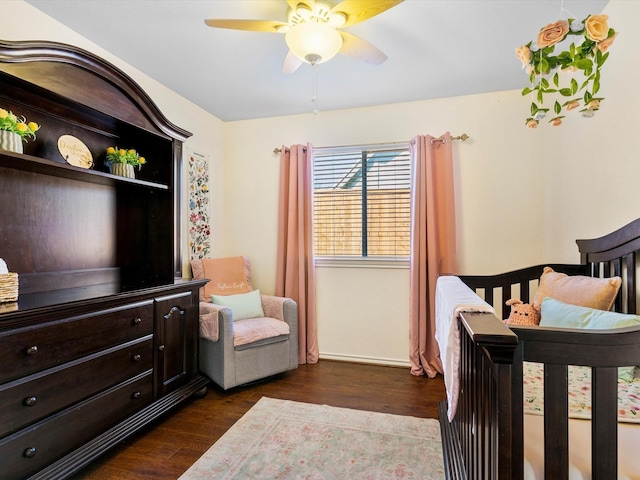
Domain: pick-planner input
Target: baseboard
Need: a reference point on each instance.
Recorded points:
(387, 362)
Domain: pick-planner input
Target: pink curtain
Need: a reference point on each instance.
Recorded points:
(433, 244)
(295, 273)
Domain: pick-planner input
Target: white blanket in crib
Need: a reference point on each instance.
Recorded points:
(452, 298)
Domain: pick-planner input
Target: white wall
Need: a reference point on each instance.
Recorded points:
(523, 196)
(21, 21)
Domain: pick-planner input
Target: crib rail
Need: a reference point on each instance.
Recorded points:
(496, 289)
(485, 416)
(488, 427)
(604, 351)
(489, 419)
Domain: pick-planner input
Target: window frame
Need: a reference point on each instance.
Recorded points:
(362, 261)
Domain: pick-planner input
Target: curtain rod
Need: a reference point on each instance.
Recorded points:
(464, 137)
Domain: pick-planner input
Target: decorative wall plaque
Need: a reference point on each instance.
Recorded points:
(75, 152)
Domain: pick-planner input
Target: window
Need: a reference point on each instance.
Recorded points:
(361, 201)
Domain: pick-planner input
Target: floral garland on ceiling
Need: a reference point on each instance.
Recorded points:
(545, 68)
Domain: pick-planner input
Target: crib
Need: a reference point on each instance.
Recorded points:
(486, 439)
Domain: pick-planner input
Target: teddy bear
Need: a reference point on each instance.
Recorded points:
(522, 313)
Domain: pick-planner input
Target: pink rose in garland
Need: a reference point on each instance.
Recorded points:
(604, 45)
(552, 34)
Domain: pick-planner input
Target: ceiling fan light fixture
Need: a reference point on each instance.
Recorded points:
(337, 19)
(303, 10)
(314, 42)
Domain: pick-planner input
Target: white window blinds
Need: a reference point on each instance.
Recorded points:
(362, 201)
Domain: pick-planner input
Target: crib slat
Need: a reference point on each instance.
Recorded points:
(524, 292)
(604, 437)
(506, 295)
(556, 426)
(631, 283)
(488, 295)
(616, 270)
(515, 458)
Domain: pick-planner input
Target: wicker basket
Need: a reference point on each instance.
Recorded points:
(8, 287)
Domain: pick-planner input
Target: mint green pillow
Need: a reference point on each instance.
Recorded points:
(555, 313)
(243, 305)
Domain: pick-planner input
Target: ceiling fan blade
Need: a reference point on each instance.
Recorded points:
(358, 11)
(291, 63)
(353, 46)
(252, 25)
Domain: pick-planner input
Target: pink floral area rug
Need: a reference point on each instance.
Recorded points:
(281, 439)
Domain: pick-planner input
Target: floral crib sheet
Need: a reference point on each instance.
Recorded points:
(580, 393)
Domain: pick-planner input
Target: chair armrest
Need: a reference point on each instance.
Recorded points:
(280, 308)
(211, 317)
(207, 308)
(284, 309)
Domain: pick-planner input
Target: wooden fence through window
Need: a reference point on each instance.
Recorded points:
(338, 222)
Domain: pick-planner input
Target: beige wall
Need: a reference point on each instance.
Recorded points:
(522, 195)
(592, 166)
(487, 201)
(499, 227)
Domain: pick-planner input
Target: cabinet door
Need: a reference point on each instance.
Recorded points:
(175, 341)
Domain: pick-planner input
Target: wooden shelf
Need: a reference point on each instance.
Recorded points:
(28, 163)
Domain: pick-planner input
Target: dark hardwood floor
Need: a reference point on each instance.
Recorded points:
(168, 447)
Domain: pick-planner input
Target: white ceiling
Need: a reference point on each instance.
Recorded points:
(435, 49)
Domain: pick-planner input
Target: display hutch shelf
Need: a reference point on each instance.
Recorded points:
(104, 335)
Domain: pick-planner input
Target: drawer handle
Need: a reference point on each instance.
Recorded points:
(29, 452)
(32, 350)
(161, 348)
(136, 321)
(136, 395)
(137, 357)
(30, 401)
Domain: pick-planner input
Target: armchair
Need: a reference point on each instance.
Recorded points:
(235, 351)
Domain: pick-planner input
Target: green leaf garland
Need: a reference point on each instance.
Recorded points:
(547, 70)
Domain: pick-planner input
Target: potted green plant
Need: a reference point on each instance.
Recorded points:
(122, 162)
(14, 130)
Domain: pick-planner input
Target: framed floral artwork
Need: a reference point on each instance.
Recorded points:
(199, 215)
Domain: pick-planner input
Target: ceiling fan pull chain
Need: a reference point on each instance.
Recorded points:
(314, 95)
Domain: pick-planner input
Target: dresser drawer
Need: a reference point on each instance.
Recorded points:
(27, 400)
(30, 350)
(34, 447)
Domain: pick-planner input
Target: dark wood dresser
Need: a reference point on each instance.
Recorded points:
(104, 336)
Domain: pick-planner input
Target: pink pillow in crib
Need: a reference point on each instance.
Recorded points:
(591, 292)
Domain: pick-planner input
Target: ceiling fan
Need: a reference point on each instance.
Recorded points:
(312, 30)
